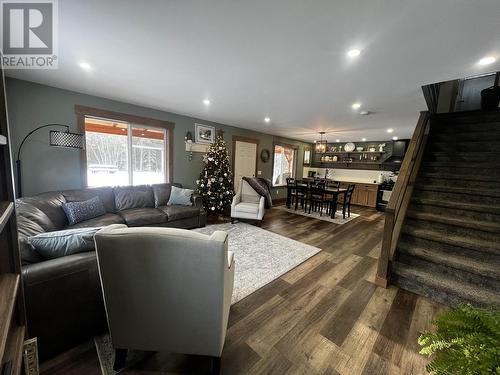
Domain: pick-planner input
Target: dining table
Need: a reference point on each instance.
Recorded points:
(334, 192)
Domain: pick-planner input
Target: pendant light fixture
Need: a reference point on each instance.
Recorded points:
(320, 146)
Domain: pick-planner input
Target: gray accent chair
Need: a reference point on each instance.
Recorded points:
(165, 289)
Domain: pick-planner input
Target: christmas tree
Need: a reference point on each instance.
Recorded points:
(215, 184)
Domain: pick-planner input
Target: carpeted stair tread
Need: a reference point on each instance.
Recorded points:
(463, 241)
(476, 207)
(456, 261)
(486, 226)
(443, 288)
(459, 190)
(467, 146)
(466, 137)
(461, 164)
(480, 155)
(461, 177)
(460, 196)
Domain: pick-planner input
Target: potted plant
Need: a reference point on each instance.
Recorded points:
(466, 342)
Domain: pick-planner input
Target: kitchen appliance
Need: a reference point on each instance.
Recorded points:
(384, 193)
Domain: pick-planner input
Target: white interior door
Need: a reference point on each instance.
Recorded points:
(245, 161)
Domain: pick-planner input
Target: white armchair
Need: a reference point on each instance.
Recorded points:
(165, 289)
(247, 204)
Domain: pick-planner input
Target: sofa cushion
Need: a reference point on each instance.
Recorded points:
(100, 221)
(249, 208)
(25, 229)
(104, 193)
(77, 212)
(180, 212)
(127, 197)
(64, 242)
(34, 214)
(181, 197)
(162, 193)
(136, 217)
(51, 204)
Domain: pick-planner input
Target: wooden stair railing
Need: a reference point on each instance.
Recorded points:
(400, 198)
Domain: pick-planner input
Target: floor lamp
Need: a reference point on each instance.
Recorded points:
(64, 139)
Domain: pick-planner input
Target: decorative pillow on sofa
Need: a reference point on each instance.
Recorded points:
(80, 211)
(181, 197)
(162, 193)
(64, 242)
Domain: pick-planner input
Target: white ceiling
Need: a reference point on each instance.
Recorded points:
(285, 59)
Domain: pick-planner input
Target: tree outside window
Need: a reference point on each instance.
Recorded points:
(284, 164)
(119, 153)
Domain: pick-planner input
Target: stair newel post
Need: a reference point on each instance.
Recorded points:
(382, 277)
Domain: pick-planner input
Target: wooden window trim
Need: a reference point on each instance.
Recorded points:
(83, 111)
(285, 145)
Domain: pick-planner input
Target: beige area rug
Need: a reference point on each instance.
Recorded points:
(315, 215)
(261, 256)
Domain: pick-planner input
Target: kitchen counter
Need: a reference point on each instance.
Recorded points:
(351, 180)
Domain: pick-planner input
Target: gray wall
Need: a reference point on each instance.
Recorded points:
(48, 168)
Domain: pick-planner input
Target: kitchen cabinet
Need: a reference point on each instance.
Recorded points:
(364, 194)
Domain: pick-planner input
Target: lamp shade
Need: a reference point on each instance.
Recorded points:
(66, 139)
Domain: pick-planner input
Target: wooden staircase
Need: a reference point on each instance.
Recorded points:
(447, 245)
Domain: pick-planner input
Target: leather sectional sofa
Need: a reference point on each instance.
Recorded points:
(64, 304)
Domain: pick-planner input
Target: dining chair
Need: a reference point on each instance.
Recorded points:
(301, 189)
(317, 197)
(291, 191)
(331, 185)
(346, 204)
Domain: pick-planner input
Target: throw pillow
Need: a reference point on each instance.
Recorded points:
(179, 196)
(80, 211)
(64, 242)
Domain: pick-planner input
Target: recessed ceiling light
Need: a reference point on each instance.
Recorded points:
(487, 60)
(267, 120)
(206, 101)
(85, 66)
(337, 140)
(363, 139)
(394, 138)
(353, 52)
(390, 130)
(356, 106)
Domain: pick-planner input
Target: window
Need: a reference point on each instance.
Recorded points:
(121, 153)
(284, 164)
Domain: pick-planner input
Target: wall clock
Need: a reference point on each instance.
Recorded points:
(265, 155)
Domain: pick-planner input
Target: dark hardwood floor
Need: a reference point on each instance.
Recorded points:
(326, 316)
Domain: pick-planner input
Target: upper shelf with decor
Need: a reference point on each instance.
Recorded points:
(360, 155)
